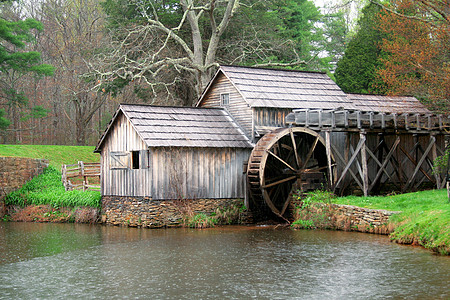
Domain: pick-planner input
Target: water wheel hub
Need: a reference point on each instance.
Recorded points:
(282, 162)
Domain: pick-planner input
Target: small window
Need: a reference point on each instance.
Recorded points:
(224, 99)
(135, 159)
(119, 160)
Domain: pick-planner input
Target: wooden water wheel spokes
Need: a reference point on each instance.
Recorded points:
(283, 161)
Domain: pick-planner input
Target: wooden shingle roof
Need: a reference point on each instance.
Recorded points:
(388, 104)
(161, 126)
(286, 89)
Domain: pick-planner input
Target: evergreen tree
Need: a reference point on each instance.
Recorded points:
(356, 71)
(16, 62)
(335, 38)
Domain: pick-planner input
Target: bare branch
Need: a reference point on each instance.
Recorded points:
(424, 20)
(292, 64)
(160, 26)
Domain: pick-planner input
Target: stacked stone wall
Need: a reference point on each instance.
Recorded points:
(353, 218)
(348, 218)
(15, 172)
(146, 212)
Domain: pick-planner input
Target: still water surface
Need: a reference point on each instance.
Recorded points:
(69, 261)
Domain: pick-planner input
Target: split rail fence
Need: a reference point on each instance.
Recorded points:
(81, 176)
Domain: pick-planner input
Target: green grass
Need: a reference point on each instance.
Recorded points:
(57, 155)
(47, 188)
(425, 217)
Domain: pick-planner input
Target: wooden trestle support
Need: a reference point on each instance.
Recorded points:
(405, 161)
(372, 159)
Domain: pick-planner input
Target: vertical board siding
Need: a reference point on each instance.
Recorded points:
(238, 107)
(171, 173)
(192, 173)
(338, 140)
(120, 182)
(273, 117)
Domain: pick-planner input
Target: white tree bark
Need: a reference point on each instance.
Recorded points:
(190, 56)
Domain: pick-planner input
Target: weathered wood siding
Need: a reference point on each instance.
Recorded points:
(272, 117)
(123, 181)
(238, 108)
(170, 173)
(194, 173)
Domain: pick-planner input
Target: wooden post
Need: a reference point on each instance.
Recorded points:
(320, 118)
(333, 119)
(64, 176)
(82, 174)
(253, 126)
(307, 118)
(328, 151)
(433, 157)
(358, 119)
(448, 190)
(365, 173)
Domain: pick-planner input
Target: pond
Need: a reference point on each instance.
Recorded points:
(70, 261)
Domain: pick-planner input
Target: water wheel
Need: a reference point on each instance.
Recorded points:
(282, 162)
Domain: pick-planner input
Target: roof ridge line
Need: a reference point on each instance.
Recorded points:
(273, 69)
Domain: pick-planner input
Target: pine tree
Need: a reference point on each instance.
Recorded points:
(16, 62)
(356, 71)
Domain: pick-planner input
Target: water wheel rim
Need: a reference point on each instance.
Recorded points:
(262, 152)
(279, 134)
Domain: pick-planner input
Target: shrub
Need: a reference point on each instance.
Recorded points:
(312, 210)
(230, 215)
(201, 220)
(303, 224)
(223, 216)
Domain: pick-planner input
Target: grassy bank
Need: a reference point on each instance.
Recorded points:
(425, 217)
(44, 198)
(57, 155)
(47, 189)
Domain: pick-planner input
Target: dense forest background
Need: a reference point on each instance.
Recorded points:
(65, 65)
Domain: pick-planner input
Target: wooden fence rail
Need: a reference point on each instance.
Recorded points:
(81, 176)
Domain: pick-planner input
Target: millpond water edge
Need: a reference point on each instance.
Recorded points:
(61, 261)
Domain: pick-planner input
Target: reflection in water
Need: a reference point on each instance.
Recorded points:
(79, 261)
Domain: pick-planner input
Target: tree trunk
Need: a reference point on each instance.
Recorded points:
(81, 132)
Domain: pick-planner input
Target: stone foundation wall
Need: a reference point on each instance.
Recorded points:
(353, 218)
(146, 212)
(348, 218)
(15, 172)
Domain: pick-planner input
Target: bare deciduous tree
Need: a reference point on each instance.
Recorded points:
(73, 32)
(154, 54)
